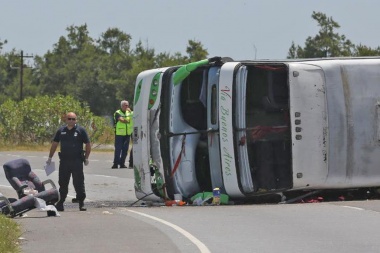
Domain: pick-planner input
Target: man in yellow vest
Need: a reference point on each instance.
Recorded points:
(121, 120)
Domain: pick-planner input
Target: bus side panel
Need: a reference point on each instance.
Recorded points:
(309, 125)
(141, 140)
(228, 160)
(353, 95)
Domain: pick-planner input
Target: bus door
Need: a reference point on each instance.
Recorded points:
(226, 127)
(213, 128)
(240, 132)
(309, 126)
(185, 119)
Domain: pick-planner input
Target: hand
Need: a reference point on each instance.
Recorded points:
(86, 162)
(48, 161)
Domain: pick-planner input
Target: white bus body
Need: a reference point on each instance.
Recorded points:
(257, 127)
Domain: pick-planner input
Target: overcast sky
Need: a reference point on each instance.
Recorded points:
(241, 29)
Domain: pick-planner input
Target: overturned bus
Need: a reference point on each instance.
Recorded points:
(257, 127)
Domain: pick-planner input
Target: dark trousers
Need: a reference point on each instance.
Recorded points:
(121, 148)
(68, 167)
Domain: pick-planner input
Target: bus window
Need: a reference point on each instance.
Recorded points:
(214, 112)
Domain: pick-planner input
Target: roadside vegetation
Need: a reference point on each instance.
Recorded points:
(9, 235)
(32, 122)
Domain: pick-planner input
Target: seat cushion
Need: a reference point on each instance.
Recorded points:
(20, 205)
(19, 168)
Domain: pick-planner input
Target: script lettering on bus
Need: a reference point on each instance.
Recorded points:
(225, 96)
(224, 112)
(225, 93)
(223, 123)
(227, 159)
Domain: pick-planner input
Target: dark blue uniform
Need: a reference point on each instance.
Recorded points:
(71, 160)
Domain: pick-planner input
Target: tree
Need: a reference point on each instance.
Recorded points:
(117, 62)
(97, 72)
(362, 50)
(92, 72)
(2, 43)
(165, 59)
(78, 37)
(143, 58)
(196, 51)
(327, 43)
(3, 69)
(10, 67)
(60, 69)
(114, 41)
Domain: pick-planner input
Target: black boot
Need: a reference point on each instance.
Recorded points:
(81, 206)
(59, 206)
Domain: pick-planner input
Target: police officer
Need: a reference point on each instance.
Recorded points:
(72, 137)
(121, 118)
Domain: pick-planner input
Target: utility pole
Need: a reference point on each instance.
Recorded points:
(22, 56)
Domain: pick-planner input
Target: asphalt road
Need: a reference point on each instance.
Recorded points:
(111, 224)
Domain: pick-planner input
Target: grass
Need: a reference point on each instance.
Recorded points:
(9, 234)
(103, 144)
(24, 147)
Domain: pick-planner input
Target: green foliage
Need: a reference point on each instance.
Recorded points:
(9, 234)
(196, 51)
(114, 41)
(10, 72)
(362, 50)
(74, 68)
(327, 43)
(165, 59)
(2, 43)
(35, 120)
(101, 72)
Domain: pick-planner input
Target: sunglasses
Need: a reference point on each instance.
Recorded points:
(71, 119)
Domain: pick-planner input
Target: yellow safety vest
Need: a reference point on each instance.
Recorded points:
(120, 127)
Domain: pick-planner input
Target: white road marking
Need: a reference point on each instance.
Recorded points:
(202, 248)
(105, 176)
(353, 207)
